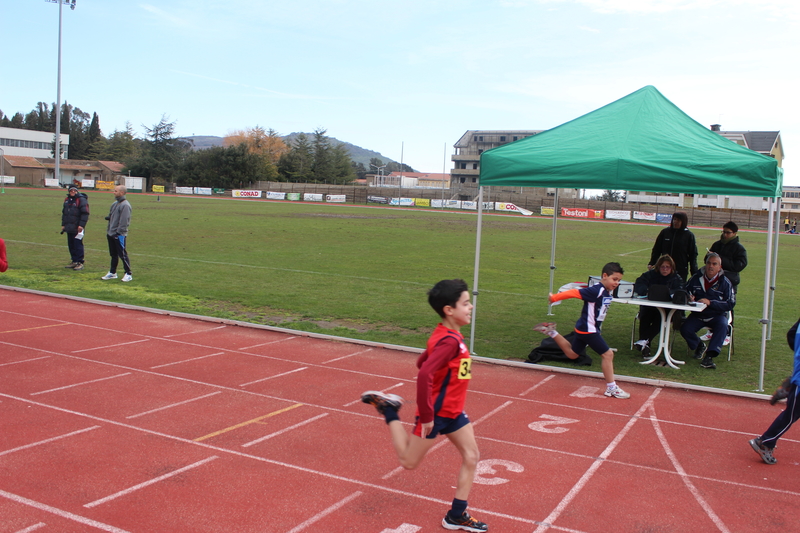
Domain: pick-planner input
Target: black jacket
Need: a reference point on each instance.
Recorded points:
(681, 246)
(734, 258)
(653, 277)
(75, 212)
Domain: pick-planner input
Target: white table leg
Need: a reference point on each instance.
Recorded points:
(663, 340)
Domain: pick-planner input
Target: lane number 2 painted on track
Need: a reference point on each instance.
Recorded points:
(551, 424)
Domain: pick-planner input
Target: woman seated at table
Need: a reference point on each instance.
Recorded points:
(663, 273)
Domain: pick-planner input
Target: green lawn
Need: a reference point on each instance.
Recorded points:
(363, 272)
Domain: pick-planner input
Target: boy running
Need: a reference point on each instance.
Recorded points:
(444, 374)
(596, 300)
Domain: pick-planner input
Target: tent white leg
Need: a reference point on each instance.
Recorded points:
(553, 251)
(475, 274)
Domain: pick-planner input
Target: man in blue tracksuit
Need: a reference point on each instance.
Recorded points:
(119, 218)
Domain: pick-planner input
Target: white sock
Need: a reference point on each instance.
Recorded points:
(552, 334)
(611, 386)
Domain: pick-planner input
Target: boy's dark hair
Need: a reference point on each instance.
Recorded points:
(446, 292)
(731, 225)
(612, 268)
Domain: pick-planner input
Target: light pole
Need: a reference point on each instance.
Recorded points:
(2, 171)
(380, 172)
(57, 149)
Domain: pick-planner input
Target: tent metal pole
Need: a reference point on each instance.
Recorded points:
(553, 252)
(475, 274)
(765, 310)
(774, 274)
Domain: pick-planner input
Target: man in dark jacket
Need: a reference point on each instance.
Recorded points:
(74, 216)
(679, 243)
(732, 253)
(708, 286)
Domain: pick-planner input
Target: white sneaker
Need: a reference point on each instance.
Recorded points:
(616, 392)
(126, 277)
(109, 276)
(727, 340)
(707, 336)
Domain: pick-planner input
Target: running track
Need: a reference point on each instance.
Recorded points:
(122, 419)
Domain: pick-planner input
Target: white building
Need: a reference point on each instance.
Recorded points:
(30, 143)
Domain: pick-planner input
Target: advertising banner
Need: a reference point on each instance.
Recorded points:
(293, 196)
(405, 202)
(422, 202)
(453, 204)
(579, 212)
(641, 215)
(312, 197)
(437, 203)
(51, 182)
(206, 191)
(10, 179)
(377, 200)
(218, 191)
(336, 198)
(618, 215)
(274, 195)
(660, 217)
(158, 188)
(501, 206)
(87, 184)
(547, 211)
(183, 190)
(102, 185)
(466, 204)
(249, 193)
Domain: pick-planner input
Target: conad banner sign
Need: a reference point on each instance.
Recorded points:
(237, 193)
(312, 197)
(618, 215)
(336, 198)
(641, 215)
(500, 206)
(273, 195)
(581, 212)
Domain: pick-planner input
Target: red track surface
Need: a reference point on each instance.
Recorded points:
(115, 419)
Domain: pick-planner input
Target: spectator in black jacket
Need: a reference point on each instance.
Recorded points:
(679, 243)
(733, 254)
(74, 216)
(649, 317)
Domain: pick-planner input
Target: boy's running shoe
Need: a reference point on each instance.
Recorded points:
(616, 392)
(464, 522)
(763, 451)
(110, 275)
(382, 400)
(545, 327)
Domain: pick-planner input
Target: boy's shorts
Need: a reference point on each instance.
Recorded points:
(593, 340)
(442, 425)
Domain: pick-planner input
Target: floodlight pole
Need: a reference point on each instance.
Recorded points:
(57, 144)
(2, 171)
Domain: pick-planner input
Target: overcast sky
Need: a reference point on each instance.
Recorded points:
(409, 75)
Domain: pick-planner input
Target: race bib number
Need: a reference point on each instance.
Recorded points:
(465, 368)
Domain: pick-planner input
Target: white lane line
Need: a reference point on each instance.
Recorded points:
(194, 332)
(545, 380)
(562, 505)
(346, 356)
(268, 343)
(25, 360)
(80, 384)
(110, 346)
(284, 430)
(326, 512)
(61, 513)
(684, 477)
(45, 441)
(148, 483)
(34, 527)
(273, 377)
(634, 252)
(445, 441)
(187, 360)
(348, 404)
(170, 406)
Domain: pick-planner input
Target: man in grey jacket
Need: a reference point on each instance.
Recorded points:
(119, 218)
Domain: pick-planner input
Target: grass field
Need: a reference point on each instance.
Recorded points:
(363, 272)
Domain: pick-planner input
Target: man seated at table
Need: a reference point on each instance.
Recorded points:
(710, 287)
(665, 274)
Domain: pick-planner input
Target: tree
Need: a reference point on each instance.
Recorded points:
(610, 196)
(296, 164)
(225, 167)
(161, 154)
(120, 146)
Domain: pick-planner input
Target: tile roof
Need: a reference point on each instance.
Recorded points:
(113, 166)
(23, 161)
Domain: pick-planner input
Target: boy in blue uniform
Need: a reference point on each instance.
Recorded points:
(765, 444)
(596, 300)
(445, 370)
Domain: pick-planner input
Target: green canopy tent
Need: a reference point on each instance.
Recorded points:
(641, 142)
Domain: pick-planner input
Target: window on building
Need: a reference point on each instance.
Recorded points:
(474, 166)
(515, 137)
(480, 138)
(502, 138)
(474, 180)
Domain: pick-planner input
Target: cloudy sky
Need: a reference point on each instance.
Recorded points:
(408, 76)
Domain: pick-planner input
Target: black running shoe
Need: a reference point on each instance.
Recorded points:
(382, 400)
(464, 522)
(708, 362)
(699, 351)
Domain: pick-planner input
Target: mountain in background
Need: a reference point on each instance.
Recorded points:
(357, 154)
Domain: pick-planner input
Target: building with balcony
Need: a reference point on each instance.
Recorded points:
(30, 143)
